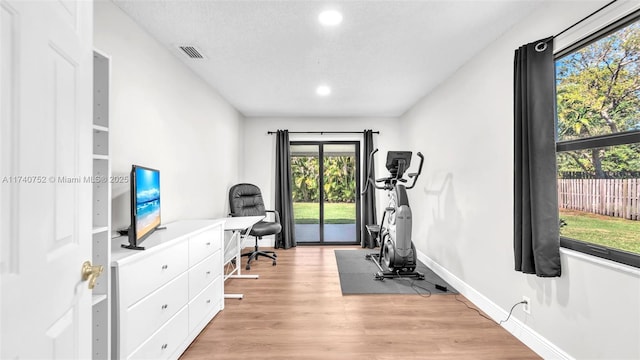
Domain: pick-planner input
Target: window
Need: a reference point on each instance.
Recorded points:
(598, 143)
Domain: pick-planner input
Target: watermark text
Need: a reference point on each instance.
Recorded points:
(42, 179)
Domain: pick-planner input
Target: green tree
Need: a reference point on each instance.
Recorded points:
(598, 92)
(304, 172)
(339, 179)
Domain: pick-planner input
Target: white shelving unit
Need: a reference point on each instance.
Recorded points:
(101, 312)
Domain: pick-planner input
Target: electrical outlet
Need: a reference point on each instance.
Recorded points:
(527, 305)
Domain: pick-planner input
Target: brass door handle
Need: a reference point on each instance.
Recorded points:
(91, 273)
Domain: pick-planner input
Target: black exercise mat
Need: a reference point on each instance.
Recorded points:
(357, 276)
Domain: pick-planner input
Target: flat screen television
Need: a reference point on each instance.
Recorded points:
(145, 205)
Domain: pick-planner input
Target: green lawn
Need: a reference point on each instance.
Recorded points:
(334, 213)
(597, 229)
(602, 230)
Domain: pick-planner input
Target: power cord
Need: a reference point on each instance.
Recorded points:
(474, 309)
(511, 311)
(488, 318)
(412, 284)
(428, 294)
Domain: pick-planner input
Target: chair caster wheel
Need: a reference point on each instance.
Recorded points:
(273, 263)
(248, 267)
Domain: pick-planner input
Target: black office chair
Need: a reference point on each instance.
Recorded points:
(246, 200)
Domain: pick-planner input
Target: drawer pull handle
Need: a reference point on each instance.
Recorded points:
(208, 301)
(165, 306)
(209, 243)
(164, 346)
(208, 272)
(165, 267)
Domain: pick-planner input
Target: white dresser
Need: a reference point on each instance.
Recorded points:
(165, 295)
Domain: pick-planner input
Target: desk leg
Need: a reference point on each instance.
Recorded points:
(239, 240)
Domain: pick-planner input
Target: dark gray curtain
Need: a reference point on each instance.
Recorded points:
(536, 230)
(284, 203)
(369, 198)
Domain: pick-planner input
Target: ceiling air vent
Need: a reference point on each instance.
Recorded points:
(191, 52)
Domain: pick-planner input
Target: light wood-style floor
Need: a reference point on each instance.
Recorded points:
(295, 310)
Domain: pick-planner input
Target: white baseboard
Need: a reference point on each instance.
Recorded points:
(517, 328)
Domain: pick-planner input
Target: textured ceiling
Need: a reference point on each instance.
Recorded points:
(267, 57)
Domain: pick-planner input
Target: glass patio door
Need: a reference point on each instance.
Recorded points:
(326, 191)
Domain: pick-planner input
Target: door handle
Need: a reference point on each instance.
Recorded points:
(91, 273)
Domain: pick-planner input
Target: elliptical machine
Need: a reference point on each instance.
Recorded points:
(397, 252)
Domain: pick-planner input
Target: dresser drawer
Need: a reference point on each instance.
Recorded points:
(166, 341)
(205, 305)
(204, 273)
(142, 277)
(204, 244)
(148, 315)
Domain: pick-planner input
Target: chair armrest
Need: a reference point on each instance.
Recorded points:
(276, 214)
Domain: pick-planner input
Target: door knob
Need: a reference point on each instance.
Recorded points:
(91, 273)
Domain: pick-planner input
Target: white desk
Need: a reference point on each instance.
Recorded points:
(237, 225)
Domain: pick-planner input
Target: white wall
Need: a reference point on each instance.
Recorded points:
(463, 209)
(165, 117)
(259, 149)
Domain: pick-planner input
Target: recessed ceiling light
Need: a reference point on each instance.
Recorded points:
(323, 90)
(330, 18)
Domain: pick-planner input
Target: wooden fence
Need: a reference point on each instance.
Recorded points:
(612, 197)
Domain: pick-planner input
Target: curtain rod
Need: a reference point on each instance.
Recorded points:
(324, 132)
(583, 19)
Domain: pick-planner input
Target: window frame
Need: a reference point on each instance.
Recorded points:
(621, 138)
(321, 143)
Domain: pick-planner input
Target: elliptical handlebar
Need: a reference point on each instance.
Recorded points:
(415, 175)
(369, 178)
(372, 181)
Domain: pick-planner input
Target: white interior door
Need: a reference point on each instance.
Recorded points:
(45, 139)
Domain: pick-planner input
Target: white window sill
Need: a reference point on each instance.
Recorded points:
(633, 271)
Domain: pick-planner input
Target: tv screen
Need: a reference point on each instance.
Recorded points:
(145, 204)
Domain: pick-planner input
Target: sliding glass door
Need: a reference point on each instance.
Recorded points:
(326, 191)
(305, 191)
